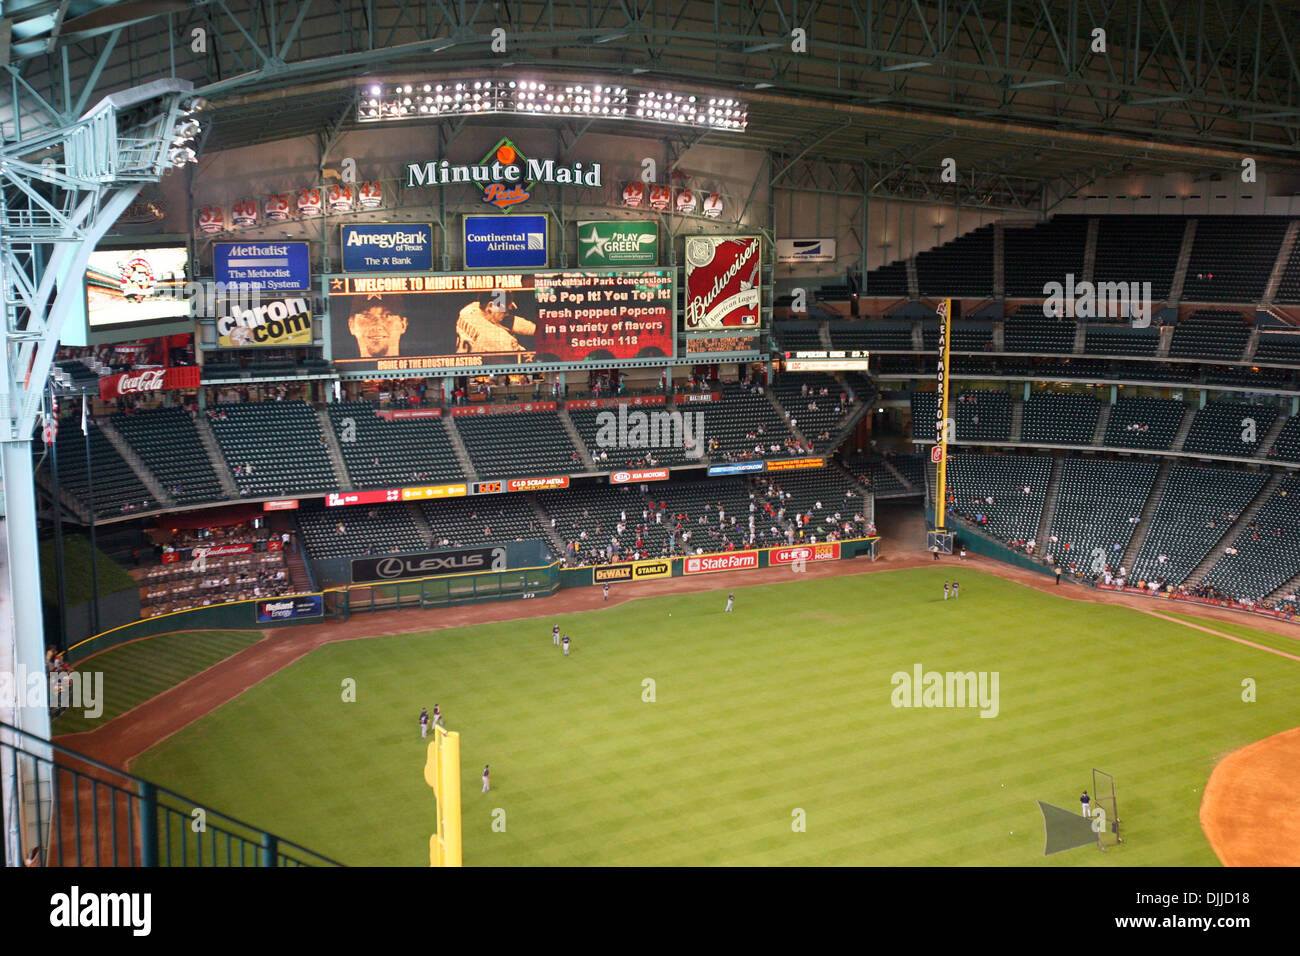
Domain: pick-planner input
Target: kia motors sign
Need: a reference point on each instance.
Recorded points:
(730, 561)
(644, 474)
(427, 564)
(149, 380)
(724, 280)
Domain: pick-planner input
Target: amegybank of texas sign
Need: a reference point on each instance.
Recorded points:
(505, 175)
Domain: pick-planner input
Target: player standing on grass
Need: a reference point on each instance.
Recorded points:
(486, 786)
(945, 590)
(731, 599)
(555, 635)
(606, 592)
(955, 592)
(566, 645)
(1085, 800)
(437, 717)
(424, 722)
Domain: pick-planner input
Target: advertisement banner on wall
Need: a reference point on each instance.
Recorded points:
(728, 561)
(387, 247)
(428, 564)
(505, 242)
(472, 320)
(826, 551)
(267, 266)
(290, 608)
(618, 243)
(112, 387)
(805, 250)
(271, 324)
(724, 280)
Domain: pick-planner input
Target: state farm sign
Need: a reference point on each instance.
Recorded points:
(149, 380)
(723, 282)
(709, 563)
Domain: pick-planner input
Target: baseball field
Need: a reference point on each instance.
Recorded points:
(676, 733)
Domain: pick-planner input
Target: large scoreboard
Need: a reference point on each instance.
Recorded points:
(417, 323)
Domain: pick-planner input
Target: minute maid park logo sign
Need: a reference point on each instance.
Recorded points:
(506, 176)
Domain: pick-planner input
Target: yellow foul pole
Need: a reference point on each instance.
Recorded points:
(943, 424)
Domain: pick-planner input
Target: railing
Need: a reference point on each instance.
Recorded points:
(81, 812)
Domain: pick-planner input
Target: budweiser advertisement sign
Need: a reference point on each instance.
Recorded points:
(643, 474)
(149, 380)
(731, 561)
(724, 280)
(221, 550)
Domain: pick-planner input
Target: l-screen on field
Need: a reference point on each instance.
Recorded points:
(676, 733)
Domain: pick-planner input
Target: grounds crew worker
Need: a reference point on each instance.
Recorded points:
(489, 325)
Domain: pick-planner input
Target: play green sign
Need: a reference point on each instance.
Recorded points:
(618, 243)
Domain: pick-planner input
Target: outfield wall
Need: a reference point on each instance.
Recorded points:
(450, 589)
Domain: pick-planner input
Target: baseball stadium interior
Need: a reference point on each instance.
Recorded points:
(318, 311)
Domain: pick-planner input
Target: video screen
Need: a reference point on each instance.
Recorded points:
(398, 323)
(125, 286)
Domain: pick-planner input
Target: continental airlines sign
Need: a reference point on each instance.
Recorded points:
(505, 175)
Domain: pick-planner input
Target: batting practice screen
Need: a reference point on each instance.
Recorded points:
(481, 320)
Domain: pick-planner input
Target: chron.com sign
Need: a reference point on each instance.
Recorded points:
(427, 564)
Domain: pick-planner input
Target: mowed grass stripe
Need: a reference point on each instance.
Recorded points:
(784, 704)
(141, 670)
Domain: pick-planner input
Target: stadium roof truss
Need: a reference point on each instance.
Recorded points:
(1026, 98)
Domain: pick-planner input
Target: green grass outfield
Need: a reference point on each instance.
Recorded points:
(783, 704)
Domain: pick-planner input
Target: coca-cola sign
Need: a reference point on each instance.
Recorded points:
(148, 380)
(723, 282)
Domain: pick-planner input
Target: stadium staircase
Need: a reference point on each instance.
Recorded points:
(1049, 504)
(294, 562)
(999, 336)
(1252, 344)
(1143, 529)
(1184, 257)
(770, 394)
(1288, 588)
(544, 522)
(1080, 331)
(462, 453)
(1166, 340)
(1090, 249)
(913, 280)
(824, 335)
(217, 460)
(1279, 266)
(1270, 436)
(999, 260)
(1231, 534)
(421, 523)
(156, 490)
(1103, 418)
(332, 447)
(572, 431)
(1185, 426)
(1017, 420)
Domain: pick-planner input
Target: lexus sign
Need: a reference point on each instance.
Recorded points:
(427, 564)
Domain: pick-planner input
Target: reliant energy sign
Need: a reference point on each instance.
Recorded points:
(505, 176)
